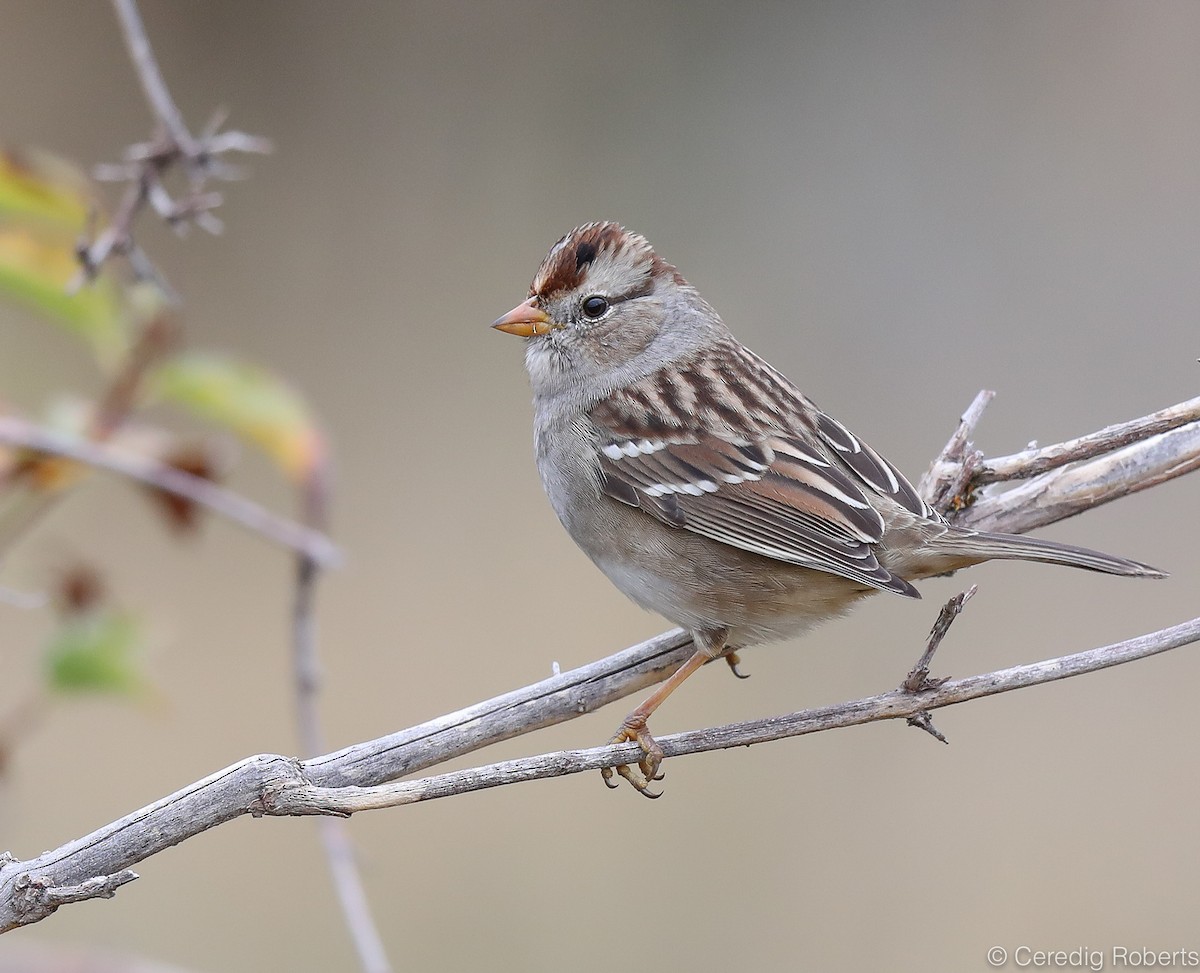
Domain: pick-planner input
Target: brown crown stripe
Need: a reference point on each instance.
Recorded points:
(566, 266)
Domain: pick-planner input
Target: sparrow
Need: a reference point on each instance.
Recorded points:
(702, 482)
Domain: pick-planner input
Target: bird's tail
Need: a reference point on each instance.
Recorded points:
(975, 546)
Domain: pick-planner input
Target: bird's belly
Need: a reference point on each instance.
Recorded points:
(754, 604)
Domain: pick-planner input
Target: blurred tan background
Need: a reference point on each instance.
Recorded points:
(897, 204)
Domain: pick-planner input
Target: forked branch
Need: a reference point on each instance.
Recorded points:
(146, 164)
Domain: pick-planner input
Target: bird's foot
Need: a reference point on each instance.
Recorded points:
(634, 730)
(734, 660)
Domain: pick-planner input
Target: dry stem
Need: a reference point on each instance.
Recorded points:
(27, 435)
(146, 164)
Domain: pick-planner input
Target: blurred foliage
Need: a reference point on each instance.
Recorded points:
(95, 648)
(47, 205)
(41, 186)
(251, 401)
(96, 652)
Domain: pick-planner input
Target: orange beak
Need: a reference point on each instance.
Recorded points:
(525, 320)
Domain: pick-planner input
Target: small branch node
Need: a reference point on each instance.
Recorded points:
(36, 897)
(923, 721)
(945, 484)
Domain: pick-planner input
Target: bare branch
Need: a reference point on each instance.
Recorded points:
(151, 78)
(233, 506)
(897, 704)
(1070, 490)
(555, 700)
(949, 475)
(1064, 479)
(1032, 462)
(335, 838)
(146, 164)
(270, 784)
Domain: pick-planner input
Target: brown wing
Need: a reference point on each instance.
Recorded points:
(753, 473)
(871, 468)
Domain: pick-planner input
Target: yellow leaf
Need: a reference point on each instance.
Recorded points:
(43, 186)
(45, 203)
(35, 269)
(253, 402)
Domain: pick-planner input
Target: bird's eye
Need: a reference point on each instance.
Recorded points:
(595, 306)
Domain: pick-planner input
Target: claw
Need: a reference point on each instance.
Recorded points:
(734, 660)
(647, 769)
(640, 783)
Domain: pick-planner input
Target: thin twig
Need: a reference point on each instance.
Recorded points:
(157, 339)
(35, 897)
(305, 660)
(154, 340)
(945, 484)
(918, 680)
(233, 506)
(1032, 462)
(140, 52)
(335, 838)
(146, 164)
(1070, 490)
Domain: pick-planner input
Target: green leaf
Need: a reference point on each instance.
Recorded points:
(36, 265)
(96, 652)
(253, 402)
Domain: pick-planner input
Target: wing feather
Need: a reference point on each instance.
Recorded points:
(813, 517)
(874, 471)
(755, 466)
